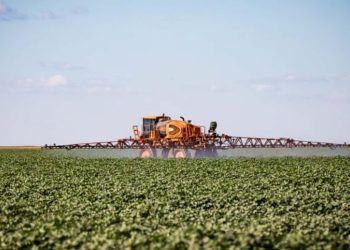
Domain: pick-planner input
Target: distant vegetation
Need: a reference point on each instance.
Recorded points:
(19, 147)
(53, 202)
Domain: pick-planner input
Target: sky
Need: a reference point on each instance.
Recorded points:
(79, 71)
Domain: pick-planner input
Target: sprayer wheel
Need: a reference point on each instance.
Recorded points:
(181, 153)
(147, 153)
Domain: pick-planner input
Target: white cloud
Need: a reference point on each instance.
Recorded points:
(40, 82)
(59, 66)
(262, 87)
(48, 14)
(56, 80)
(98, 89)
(218, 88)
(28, 81)
(213, 87)
(290, 77)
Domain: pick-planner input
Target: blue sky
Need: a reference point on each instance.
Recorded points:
(74, 71)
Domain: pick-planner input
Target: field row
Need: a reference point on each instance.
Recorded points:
(56, 202)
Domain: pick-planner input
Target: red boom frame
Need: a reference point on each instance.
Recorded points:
(218, 142)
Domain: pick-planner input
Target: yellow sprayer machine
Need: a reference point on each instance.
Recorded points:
(161, 136)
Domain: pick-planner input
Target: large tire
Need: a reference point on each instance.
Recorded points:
(148, 153)
(181, 153)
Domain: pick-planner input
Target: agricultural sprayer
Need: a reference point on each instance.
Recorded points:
(164, 137)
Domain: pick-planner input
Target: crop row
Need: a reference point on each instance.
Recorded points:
(56, 202)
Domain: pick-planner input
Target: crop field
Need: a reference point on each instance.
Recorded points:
(59, 202)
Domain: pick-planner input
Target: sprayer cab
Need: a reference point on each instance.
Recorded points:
(162, 128)
(149, 124)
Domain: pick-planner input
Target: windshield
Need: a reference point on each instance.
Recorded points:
(148, 126)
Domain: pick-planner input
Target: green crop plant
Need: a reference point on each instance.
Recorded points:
(50, 202)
